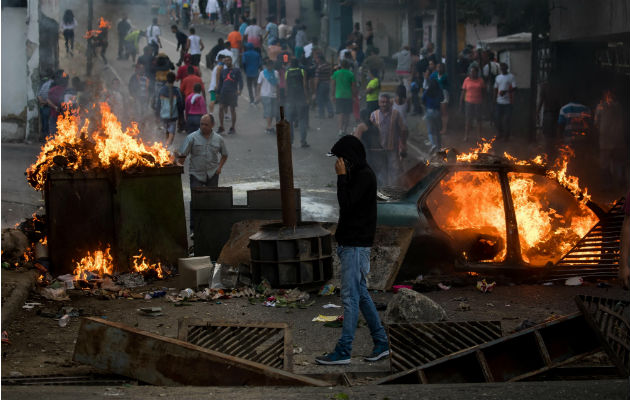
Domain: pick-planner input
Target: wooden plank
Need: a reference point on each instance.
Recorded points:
(164, 361)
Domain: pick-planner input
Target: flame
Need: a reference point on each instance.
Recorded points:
(140, 265)
(109, 146)
(483, 147)
(559, 173)
(92, 33)
(44, 241)
(544, 233)
(98, 263)
(104, 24)
(481, 221)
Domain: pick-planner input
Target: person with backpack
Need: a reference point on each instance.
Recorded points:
(153, 37)
(297, 96)
(251, 65)
(229, 87)
(170, 107)
(267, 92)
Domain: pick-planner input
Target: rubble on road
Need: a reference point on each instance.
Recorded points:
(409, 306)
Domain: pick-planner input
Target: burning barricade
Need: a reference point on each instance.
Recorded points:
(108, 194)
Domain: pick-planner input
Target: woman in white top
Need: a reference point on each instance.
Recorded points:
(195, 11)
(67, 26)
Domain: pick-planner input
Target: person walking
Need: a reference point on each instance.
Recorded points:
(271, 30)
(194, 47)
(254, 35)
(431, 98)
(472, 98)
(369, 135)
(153, 37)
(216, 71)
(356, 194)
(442, 79)
(139, 91)
(504, 88)
(207, 152)
(403, 66)
(189, 82)
(297, 96)
(213, 10)
(182, 43)
(195, 108)
(131, 44)
(44, 106)
(284, 32)
(393, 139)
(321, 84)
(230, 85)
(236, 46)
(68, 24)
(170, 107)
(123, 29)
(372, 91)
(267, 92)
(343, 89)
(251, 65)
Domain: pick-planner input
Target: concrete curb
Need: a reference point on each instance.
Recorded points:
(16, 287)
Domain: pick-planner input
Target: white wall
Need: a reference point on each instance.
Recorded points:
(13, 62)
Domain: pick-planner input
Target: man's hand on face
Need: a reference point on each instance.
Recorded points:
(340, 166)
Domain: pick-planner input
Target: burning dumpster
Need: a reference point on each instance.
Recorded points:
(109, 196)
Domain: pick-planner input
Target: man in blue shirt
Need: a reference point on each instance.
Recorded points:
(251, 64)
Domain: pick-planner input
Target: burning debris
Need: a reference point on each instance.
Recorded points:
(103, 25)
(107, 146)
(549, 222)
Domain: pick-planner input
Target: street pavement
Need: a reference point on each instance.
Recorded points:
(252, 162)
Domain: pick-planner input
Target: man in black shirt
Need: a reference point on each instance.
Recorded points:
(182, 39)
(356, 193)
(123, 29)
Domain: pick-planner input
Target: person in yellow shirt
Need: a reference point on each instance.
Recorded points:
(372, 91)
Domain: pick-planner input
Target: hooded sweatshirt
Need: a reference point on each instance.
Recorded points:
(356, 193)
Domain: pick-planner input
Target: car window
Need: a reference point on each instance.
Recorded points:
(550, 220)
(468, 205)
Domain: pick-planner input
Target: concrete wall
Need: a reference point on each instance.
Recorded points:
(14, 74)
(389, 24)
(581, 19)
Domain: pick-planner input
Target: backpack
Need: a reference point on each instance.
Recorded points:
(295, 83)
(168, 106)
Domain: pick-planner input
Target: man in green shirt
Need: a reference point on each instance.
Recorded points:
(343, 88)
(372, 90)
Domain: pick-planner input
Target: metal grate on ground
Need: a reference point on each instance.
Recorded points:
(413, 345)
(269, 344)
(62, 380)
(610, 319)
(510, 358)
(597, 254)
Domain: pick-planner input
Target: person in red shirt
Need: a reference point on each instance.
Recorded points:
(182, 71)
(472, 97)
(188, 83)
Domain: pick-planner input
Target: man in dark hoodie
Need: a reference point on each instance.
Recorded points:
(356, 193)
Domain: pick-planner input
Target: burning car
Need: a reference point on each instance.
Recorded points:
(479, 212)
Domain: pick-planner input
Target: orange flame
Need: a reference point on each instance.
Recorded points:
(568, 181)
(483, 147)
(104, 24)
(92, 33)
(98, 263)
(109, 146)
(141, 265)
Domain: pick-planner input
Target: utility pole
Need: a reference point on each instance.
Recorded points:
(89, 41)
(439, 30)
(451, 49)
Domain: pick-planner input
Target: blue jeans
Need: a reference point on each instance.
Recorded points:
(355, 265)
(323, 99)
(433, 121)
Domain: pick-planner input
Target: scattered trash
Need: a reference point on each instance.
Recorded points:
(338, 323)
(109, 284)
(159, 293)
(331, 305)
(131, 280)
(485, 287)
(68, 280)
(326, 318)
(490, 304)
(396, 288)
(548, 284)
(186, 293)
(574, 281)
(268, 303)
(459, 299)
(150, 311)
(327, 290)
(443, 286)
(463, 306)
(5, 337)
(603, 285)
(297, 350)
(56, 294)
(30, 306)
(63, 321)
